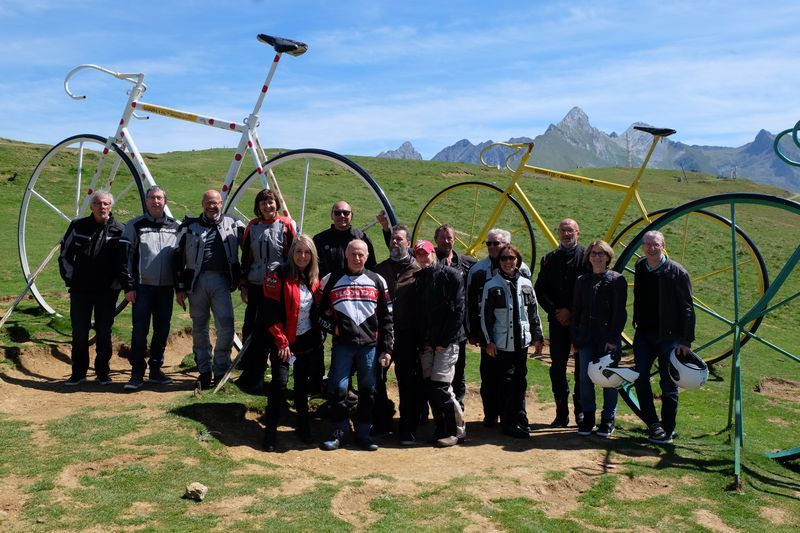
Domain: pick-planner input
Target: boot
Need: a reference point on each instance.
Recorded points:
(303, 430)
(270, 437)
(562, 413)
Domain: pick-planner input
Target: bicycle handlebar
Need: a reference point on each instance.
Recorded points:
(515, 149)
(136, 79)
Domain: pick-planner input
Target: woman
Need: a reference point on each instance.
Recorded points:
(291, 320)
(510, 323)
(265, 243)
(598, 317)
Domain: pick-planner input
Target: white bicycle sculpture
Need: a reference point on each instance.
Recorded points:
(66, 177)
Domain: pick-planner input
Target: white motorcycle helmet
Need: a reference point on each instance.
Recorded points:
(603, 374)
(688, 371)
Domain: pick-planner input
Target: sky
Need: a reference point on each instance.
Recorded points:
(379, 73)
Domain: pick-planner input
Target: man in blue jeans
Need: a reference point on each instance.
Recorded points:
(151, 240)
(663, 315)
(355, 308)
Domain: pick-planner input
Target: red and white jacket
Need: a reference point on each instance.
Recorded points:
(282, 302)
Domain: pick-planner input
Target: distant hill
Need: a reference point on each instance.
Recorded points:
(406, 151)
(575, 143)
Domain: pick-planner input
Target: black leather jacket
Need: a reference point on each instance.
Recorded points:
(440, 305)
(676, 318)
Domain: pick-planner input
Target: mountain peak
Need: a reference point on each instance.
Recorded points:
(405, 151)
(576, 118)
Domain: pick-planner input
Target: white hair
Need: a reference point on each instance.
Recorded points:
(102, 192)
(506, 235)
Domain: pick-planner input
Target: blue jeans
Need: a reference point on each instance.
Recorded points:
(155, 302)
(343, 358)
(81, 307)
(211, 293)
(646, 349)
(610, 396)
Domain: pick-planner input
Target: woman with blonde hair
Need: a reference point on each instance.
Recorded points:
(291, 320)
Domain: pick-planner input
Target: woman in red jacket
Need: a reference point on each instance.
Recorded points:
(289, 300)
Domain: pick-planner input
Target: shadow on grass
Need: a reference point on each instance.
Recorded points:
(226, 421)
(34, 381)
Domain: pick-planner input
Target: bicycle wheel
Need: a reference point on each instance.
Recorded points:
(310, 181)
(57, 192)
(701, 241)
(466, 206)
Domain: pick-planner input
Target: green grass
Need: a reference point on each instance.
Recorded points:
(130, 469)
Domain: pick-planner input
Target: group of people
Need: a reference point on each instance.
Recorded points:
(416, 310)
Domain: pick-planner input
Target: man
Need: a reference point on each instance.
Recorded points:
(151, 241)
(440, 319)
(355, 308)
(331, 245)
(93, 265)
(478, 275)
(398, 271)
(554, 288)
(663, 315)
(207, 271)
(445, 237)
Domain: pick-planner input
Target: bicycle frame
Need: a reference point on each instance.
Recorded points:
(248, 142)
(631, 191)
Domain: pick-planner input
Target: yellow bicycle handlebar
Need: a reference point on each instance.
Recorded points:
(516, 148)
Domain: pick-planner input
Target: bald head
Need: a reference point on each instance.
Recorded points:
(212, 204)
(568, 233)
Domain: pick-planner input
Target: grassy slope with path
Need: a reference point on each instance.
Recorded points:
(133, 492)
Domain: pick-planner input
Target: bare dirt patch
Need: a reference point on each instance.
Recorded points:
(782, 389)
(711, 521)
(640, 487)
(457, 174)
(774, 515)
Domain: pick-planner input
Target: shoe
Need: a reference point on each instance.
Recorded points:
(104, 379)
(303, 433)
(205, 380)
(159, 377)
(135, 383)
(446, 442)
(517, 431)
(270, 436)
(74, 381)
(335, 441)
(489, 421)
(658, 435)
(367, 444)
(559, 422)
(578, 419)
(586, 424)
(407, 440)
(606, 428)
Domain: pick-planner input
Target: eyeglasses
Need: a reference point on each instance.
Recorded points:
(597, 254)
(341, 212)
(494, 243)
(508, 258)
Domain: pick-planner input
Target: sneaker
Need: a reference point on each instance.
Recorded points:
(559, 422)
(658, 435)
(104, 379)
(335, 441)
(606, 428)
(159, 377)
(74, 381)
(446, 442)
(135, 383)
(205, 380)
(366, 443)
(407, 440)
(586, 424)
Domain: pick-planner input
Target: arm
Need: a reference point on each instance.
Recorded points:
(371, 262)
(541, 287)
(179, 266)
(66, 258)
(685, 306)
(476, 281)
(455, 316)
(385, 320)
(619, 313)
(273, 310)
(577, 311)
(487, 317)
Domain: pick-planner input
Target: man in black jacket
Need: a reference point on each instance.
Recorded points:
(440, 317)
(663, 314)
(554, 290)
(93, 264)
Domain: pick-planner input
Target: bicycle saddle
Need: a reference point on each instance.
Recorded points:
(658, 132)
(281, 45)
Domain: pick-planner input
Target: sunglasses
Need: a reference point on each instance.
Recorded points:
(508, 258)
(494, 243)
(341, 212)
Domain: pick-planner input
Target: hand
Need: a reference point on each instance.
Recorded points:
(180, 297)
(385, 360)
(491, 349)
(563, 316)
(130, 296)
(683, 349)
(537, 347)
(383, 219)
(285, 353)
(441, 349)
(243, 293)
(610, 347)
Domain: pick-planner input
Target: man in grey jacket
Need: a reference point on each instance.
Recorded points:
(207, 270)
(151, 241)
